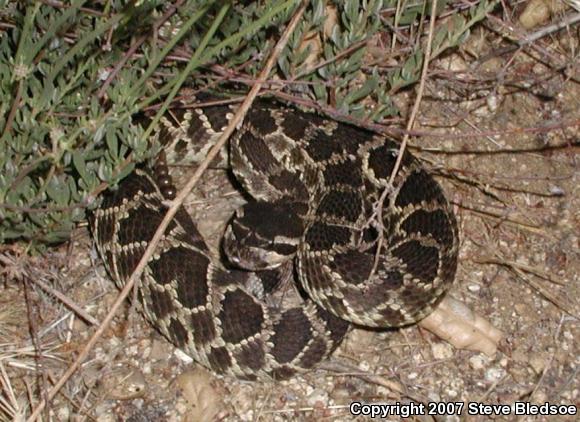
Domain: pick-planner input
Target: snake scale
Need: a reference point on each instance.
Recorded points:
(364, 251)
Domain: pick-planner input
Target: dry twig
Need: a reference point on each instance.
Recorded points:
(236, 120)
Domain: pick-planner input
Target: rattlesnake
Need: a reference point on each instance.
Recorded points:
(365, 251)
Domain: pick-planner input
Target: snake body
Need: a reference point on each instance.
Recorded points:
(364, 250)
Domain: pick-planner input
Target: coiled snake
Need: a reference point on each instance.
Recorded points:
(365, 252)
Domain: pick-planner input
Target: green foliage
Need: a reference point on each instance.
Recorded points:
(63, 137)
(448, 35)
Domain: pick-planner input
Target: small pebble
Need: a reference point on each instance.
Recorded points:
(185, 358)
(477, 362)
(494, 374)
(442, 350)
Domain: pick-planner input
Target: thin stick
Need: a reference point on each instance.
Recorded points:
(420, 90)
(172, 211)
(38, 355)
(568, 20)
(378, 212)
(538, 272)
(66, 301)
(502, 216)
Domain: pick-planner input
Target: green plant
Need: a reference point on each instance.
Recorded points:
(66, 112)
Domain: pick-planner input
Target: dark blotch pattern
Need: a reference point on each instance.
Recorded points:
(203, 328)
(350, 137)
(322, 236)
(413, 295)
(434, 223)
(262, 119)
(178, 333)
(108, 259)
(285, 249)
(216, 116)
(282, 373)
(344, 173)
(106, 229)
(251, 355)
(128, 189)
(292, 333)
(290, 184)
(222, 278)
(295, 125)
(345, 205)
(315, 352)
(369, 235)
(322, 146)
(128, 261)
(191, 235)
(393, 280)
(354, 267)
(382, 160)
(337, 326)
(270, 279)
(373, 296)
(269, 220)
(257, 153)
(181, 148)
(237, 325)
(419, 186)
(393, 316)
(189, 269)
(141, 224)
(335, 304)
(422, 261)
(161, 303)
(219, 359)
(314, 275)
(241, 316)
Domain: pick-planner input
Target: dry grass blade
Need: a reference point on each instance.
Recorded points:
(343, 368)
(420, 90)
(9, 405)
(23, 356)
(524, 267)
(66, 300)
(561, 301)
(502, 216)
(236, 120)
